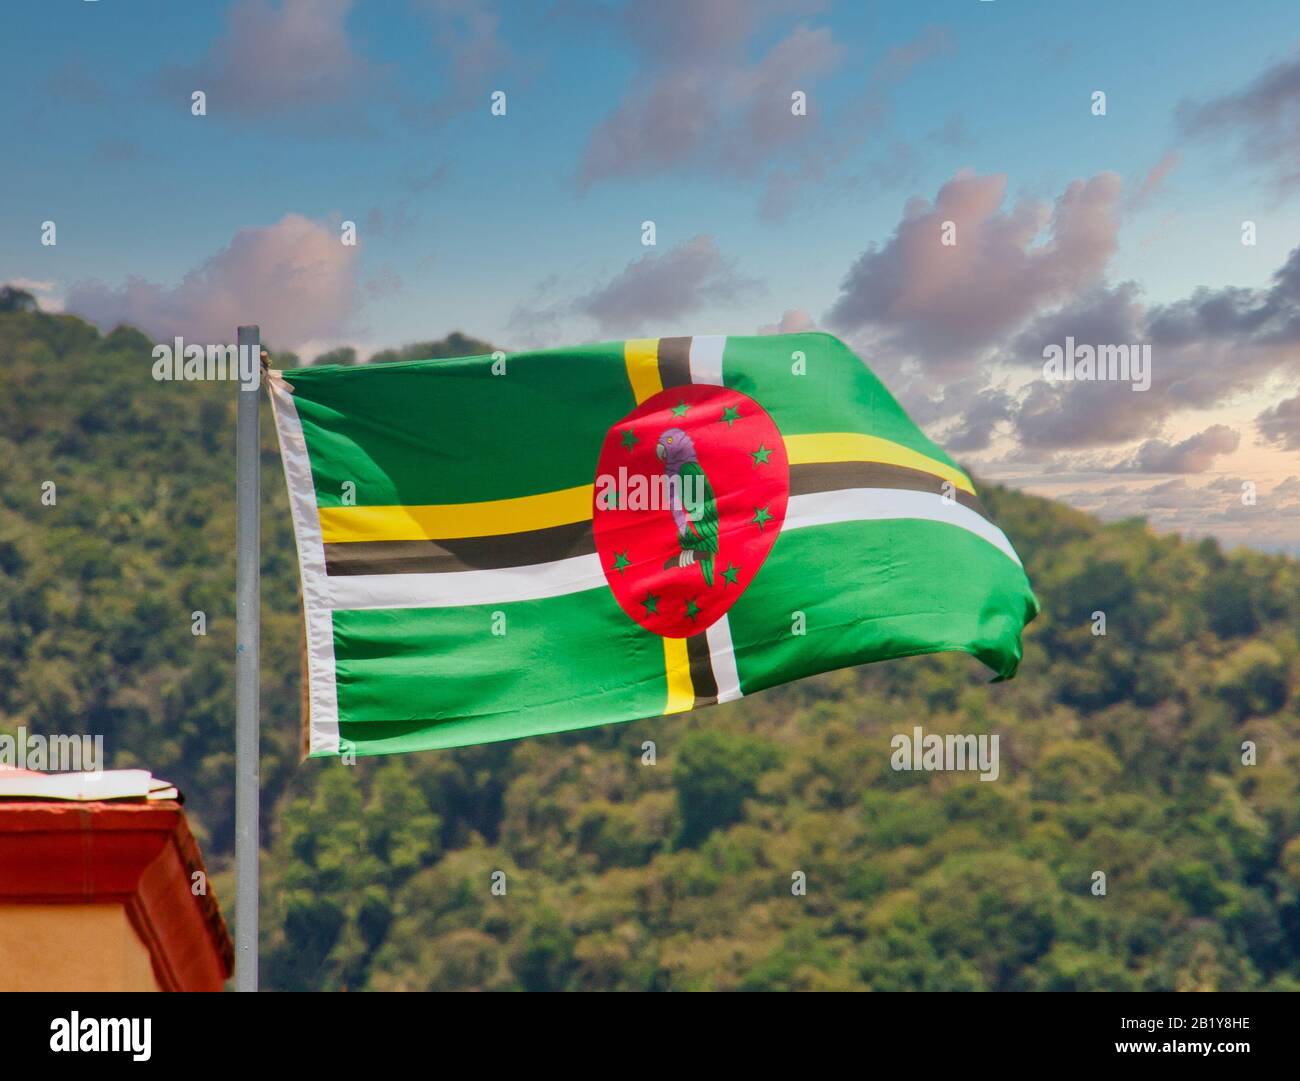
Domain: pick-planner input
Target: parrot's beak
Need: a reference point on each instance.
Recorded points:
(661, 450)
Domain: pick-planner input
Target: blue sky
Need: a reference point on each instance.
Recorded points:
(502, 226)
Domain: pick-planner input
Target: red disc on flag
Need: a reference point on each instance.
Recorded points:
(691, 492)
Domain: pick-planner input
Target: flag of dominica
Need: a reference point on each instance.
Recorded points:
(509, 545)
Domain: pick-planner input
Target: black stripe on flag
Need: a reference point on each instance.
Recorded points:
(674, 361)
(576, 539)
(702, 677)
(813, 477)
(462, 554)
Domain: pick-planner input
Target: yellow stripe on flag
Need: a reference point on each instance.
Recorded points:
(451, 521)
(641, 355)
(824, 447)
(448, 521)
(677, 666)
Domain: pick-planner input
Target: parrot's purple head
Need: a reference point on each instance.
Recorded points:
(675, 449)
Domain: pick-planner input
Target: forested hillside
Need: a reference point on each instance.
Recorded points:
(1121, 754)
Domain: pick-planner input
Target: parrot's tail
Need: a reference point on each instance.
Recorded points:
(706, 565)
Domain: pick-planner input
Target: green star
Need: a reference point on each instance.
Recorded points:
(761, 455)
(761, 517)
(679, 410)
(629, 439)
(692, 610)
(621, 561)
(651, 603)
(730, 415)
(730, 573)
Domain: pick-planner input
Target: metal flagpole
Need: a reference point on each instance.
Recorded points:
(248, 519)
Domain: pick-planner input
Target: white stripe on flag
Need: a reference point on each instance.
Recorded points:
(450, 589)
(539, 581)
(323, 704)
(874, 504)
(706, 358)
(722, 658)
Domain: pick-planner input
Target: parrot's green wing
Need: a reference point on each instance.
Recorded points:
(700, 506)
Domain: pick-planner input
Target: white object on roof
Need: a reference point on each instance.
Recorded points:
(102, 785)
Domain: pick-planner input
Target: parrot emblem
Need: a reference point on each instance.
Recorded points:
(691, 501)
(679, 546)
